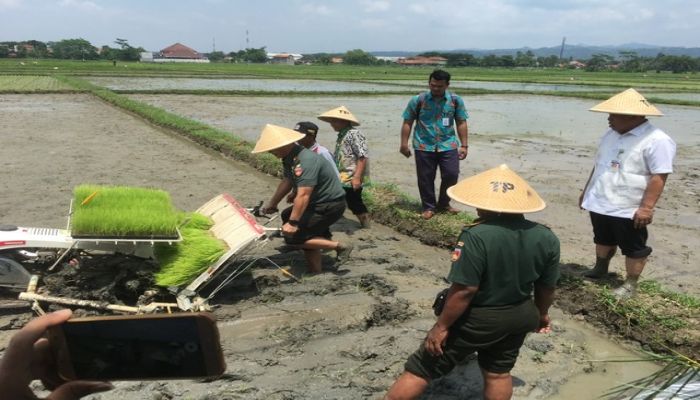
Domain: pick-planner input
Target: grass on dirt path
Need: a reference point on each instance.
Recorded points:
(662, 320)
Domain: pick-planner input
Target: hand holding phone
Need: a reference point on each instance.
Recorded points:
(27, 357)
(139, 347)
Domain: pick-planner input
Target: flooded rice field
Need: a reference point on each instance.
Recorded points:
(550, 141)
(265, 85)
(310, 85)
(274, 337)
(517, 86)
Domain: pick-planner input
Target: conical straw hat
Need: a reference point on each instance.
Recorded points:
(274, 137)
(498, 189)
(629, 102)
(339, 113)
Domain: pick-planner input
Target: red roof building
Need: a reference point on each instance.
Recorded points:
(180, 51)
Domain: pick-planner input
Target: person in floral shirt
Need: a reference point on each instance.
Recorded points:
(351, 157)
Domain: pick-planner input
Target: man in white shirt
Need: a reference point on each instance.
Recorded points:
(309, 141)
(633, 161)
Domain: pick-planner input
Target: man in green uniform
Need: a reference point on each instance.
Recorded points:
(497, 264)
(319, 200)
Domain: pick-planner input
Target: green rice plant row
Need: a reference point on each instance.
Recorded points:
(182, 262)
(121, 211)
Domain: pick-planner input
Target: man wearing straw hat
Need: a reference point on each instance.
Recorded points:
(319, 200)
(633, 161)
(497, 264)
(351, 157)
(437, 112)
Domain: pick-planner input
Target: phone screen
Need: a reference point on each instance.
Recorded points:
(135, 349)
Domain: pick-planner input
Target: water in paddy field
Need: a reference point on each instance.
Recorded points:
(563, 119)
(310, 85)
(266, 85)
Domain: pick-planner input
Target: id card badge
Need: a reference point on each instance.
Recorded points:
(446, 121)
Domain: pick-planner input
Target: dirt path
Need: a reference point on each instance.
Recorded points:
(342, 335)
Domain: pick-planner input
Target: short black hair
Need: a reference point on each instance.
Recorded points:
(307, 128)
(440, 75)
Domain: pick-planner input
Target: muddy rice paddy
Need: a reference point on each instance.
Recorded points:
(343, 334)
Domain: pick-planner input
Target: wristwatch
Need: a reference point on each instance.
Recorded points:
(293, 222)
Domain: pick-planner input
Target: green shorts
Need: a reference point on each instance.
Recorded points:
(494, 333)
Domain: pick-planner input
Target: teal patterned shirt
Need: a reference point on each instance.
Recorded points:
(435, 126)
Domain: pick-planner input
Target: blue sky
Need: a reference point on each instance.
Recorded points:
(309, 26)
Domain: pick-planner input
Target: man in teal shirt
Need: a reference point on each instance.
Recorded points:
(436, 112)
(497, 265)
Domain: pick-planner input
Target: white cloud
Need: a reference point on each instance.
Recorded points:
(320, 9)
(7, 4)
(417, 8)
(371, 6)
(84, 5)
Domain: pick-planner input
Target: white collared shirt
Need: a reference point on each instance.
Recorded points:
(624, 165)
(323, 152)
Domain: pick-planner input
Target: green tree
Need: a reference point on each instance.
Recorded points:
(126, 52)
(39, 49)
(323, 59)
(4, 51)
(676, 64)
(74, 49)
(506, 61)
(526, 59)
(216, 56)
(250, 55)
(490, 60)
(359, 57)
(548, 62)
(461, 60)
(631, 62)
(599, 62)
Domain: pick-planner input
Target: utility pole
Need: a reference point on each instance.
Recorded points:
(561, 51)
(247, 40)
(213, 44)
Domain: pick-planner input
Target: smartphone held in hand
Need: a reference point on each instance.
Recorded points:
(138, 347)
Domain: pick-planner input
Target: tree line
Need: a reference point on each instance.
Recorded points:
(627, 61)
(70, 49)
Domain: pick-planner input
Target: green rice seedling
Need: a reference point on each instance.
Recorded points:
(195, 221)
(182, 262)
(121, 211)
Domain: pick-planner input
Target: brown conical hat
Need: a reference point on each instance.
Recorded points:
(498, 189)
(274, 137)
(339, 113)
(629, 102)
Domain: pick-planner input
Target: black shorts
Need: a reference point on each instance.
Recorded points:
(616, 231)
(316, 220)
(495, 333)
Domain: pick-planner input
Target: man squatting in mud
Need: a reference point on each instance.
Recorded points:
(497, 264)
(319, 200)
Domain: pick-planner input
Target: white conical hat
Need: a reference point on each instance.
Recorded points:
(629, 102)
(274, 137)
(339, 113)
(498, 189)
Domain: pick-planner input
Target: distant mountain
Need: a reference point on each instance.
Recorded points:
(577, 51)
